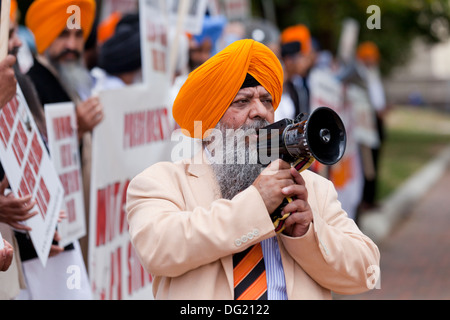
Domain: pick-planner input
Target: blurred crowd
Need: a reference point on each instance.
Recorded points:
(53, 63)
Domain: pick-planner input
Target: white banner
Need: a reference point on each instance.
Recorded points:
(64, 149)
(29, 169)
(134, 134)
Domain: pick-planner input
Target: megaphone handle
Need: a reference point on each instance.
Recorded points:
(278, 218)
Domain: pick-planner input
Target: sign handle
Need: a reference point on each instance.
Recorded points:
(4, 28)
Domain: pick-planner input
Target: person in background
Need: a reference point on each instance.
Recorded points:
(298, 57)
(368, 56)
(203, 46)
(59, 72)
(119, 60)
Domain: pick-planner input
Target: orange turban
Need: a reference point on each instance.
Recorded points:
(298, 33)
(210, 89)
(48, 18)
(368, 51)
(13, 12)
(107, 27)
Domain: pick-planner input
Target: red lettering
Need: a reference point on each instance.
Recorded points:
(138, 278)
(23, 189)
(116, 275)
(70, 207)
(101, 217)
(111, 214)
(43, 197)
(66, 155)
(10, 112)
(159, 60)
(36, 153)
(5, 131)
(29, 177)
(20, 143)
(146, 127)
(62, 127)
(122, 206)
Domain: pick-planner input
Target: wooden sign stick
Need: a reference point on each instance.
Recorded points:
(4, 28)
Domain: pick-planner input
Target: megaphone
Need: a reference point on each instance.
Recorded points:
(320, 136)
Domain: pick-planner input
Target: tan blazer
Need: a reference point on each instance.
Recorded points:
(185, 236)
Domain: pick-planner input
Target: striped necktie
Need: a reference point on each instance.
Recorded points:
(250, 274)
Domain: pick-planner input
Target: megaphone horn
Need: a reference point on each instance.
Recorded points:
(325, 136)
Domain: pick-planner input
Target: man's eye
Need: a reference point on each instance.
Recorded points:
(242, 101)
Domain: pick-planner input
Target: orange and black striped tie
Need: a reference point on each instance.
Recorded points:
(250, 274)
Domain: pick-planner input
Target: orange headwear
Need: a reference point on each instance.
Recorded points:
(298, 33)
(48, 18)
(210, 89)
(107, 27)
(13, 12)
(368, 51)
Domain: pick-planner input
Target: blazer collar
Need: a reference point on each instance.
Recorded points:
(199, 165)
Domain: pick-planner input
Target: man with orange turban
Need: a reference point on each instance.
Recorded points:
(61, 28)
(36, 282)
(202, 226)
(368, 57)
(298, 57)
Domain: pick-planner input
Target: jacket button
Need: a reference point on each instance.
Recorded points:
(238, 242)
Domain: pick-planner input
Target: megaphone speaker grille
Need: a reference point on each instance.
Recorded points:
(326, 137)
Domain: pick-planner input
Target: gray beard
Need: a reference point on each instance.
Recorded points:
(75, 78)
(237, 176)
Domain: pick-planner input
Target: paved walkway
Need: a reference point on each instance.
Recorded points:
(415, 255)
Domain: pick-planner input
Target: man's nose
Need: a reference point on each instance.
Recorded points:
(71, 42)
(258, 110)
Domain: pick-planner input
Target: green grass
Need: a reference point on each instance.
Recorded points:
(413, 137)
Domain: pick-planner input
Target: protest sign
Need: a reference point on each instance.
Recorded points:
(364, 116)
(193, 14)
(237, 9)
(154, 45)
(65, 153)
(29, 170)
(346, 175)
(135, 133)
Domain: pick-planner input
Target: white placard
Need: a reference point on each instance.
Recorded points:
(65, 153)
(29, 170)
(135, 133)
(193, 17)
(237, 9)
(154, 41)
(363, 116)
